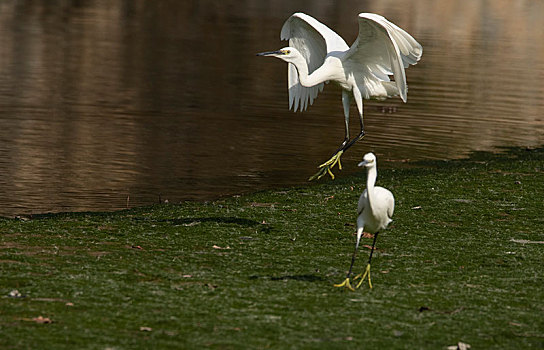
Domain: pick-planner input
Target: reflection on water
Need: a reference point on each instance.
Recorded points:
(107, 101)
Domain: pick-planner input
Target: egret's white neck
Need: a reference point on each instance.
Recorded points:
(308, 80)
(370, 181)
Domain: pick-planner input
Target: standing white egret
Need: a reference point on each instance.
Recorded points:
(316, 55)
(374, 212)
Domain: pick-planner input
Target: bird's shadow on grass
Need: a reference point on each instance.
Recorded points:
(215, 219)
(222, 220)
(301, 278)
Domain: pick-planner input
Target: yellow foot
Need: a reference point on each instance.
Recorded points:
(345, 284)
(362, 276)
(326, 167)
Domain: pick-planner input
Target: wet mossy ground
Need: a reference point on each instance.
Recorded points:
(462, 262)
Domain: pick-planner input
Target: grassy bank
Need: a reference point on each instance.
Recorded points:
(462, 261)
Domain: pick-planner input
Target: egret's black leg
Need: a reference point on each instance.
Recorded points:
(358, 137)
(367, 270)
(352, 142)
(359, 101)
(342, 146)
(346, 282)
(373, 245)
(352, 261)
(345, 143)
(326, 167)
(345, 103)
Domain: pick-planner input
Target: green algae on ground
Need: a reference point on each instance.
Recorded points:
(462, 261)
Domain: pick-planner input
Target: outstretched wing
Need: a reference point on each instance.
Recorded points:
(314, 40)
(384, 49)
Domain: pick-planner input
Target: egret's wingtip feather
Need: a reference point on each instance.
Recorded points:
(299, 14)
(369, 15)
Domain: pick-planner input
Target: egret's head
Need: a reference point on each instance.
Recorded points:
(287, 53)
(369, 160)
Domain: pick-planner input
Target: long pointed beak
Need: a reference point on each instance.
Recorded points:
(269, 53)
(363, 163)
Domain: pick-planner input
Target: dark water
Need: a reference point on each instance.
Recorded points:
(104, 101)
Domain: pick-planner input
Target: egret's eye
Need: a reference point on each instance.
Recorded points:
(286, 52)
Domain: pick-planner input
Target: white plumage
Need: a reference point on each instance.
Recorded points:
(314, 41)
(317, 55)
(376, 204)
(374, 212)
(381, 49)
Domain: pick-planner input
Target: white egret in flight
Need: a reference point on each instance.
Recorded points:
(374, 212)
(316, 55)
